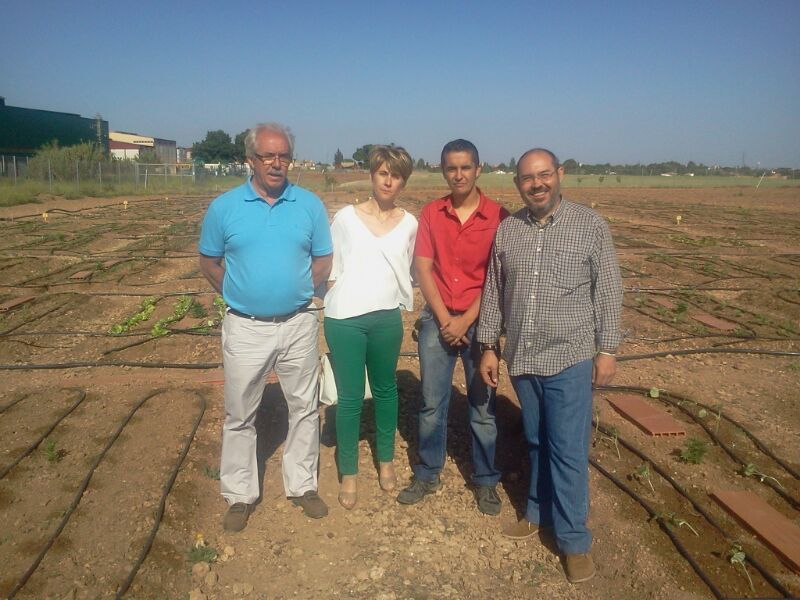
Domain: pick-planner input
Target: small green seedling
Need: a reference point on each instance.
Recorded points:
(654, 392)
(201, 553)
(716, 411)
(678, 522)
(750, 470)
(612, 439)
(736, 556)
(695, 451)
(643, 474)
(211, 472)
(197, 310)
(52, 453)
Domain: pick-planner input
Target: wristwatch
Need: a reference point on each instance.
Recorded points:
(491, 348)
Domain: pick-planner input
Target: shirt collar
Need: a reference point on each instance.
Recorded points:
(252, 195)
(447, 204)
(552, 219)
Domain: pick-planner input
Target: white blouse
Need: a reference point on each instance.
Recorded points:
(370, 272)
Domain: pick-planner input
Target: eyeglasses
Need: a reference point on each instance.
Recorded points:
(543, 176)
(270, 157)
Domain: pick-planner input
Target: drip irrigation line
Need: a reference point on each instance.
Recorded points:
(131, 344)
(110, 363)
(664, 527)
(163, 501)
(32, 447)
(78, 495)
(627, 357)
(696, 505)
(5, 407)
(678, 400)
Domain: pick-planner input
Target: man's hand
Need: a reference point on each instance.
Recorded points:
(490, 368)
(603, 370)
(454, 331)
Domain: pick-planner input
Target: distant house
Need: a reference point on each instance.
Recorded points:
(348, 165)
(124, 150)
(165, 150)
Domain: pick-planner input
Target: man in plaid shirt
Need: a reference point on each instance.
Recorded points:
(554, 284)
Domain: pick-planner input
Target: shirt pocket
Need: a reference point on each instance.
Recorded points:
(570, 270)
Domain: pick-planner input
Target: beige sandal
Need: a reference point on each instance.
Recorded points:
(387, 478)
(348, 498)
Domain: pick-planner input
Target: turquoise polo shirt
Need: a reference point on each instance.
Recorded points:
(267, 249)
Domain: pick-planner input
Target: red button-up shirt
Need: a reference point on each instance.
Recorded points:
(460, 252)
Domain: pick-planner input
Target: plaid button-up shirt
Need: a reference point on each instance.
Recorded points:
(556, 288)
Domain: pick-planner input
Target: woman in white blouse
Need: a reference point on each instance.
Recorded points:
(373, 245)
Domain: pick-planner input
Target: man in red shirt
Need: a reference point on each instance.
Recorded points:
(454, 240)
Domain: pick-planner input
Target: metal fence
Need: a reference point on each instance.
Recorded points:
(108, 174)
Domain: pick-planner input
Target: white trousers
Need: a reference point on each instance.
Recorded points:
(250, 350)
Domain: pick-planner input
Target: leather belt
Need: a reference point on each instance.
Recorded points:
(278, 319)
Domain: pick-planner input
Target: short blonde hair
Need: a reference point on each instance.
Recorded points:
(396, 158)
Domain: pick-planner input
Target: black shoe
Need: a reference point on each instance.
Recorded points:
(418, 490)
(489, 502)
(236, 517)
(312, 504)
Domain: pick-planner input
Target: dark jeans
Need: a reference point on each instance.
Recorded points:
(557, 416)
(437, 361)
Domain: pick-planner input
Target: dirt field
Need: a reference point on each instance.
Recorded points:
(93, 427)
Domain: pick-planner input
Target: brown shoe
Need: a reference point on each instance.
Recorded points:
(520, 530)
(312, 504)
(579, 567)
(348, 491)
(236, 517)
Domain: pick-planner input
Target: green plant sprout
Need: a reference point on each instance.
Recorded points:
(202, 553)
(613, 439)
(211, 472)
(654, 392)
(736, 556)
(716, 411)
(182, 307)
(750, 470)
(695, 451)
(52, 453)
(197, 310)
(678, 522)
(643, 474)
(146, 308)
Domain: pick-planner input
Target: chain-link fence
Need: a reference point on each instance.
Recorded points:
(65, 176)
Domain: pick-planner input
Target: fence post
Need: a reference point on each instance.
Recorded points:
(193, 179)
(77, 176)
(49, 176)
(119, 174)
(100, 172)
(145, 178)
(165, 176)
(15, 169)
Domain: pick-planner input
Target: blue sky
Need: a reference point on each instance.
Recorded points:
(619, 82)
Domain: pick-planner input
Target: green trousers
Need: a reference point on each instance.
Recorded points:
(373, 340)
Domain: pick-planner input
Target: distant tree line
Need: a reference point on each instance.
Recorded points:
(573, 167)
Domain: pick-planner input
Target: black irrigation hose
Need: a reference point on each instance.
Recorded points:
(162, 503)
(5, 407)
(110, 363)
(627, 357)
(78, 495)
(32, 447)
(678, 401)
(697, 506)
(653, 515)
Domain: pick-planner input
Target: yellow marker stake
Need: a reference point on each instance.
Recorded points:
(125, 204)
(594, 204)
(44, 216)
(678, 219)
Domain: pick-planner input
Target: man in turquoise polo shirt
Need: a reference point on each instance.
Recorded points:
(265, 246)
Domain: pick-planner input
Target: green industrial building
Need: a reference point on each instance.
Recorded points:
(24, 130)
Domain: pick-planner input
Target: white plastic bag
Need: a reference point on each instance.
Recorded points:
(327, 393)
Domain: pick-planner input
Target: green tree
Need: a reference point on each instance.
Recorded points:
(215, 148)
(421, 165)
(512, 164)
(570, 165)
(361, 155)
(338, 158)
(239, 153)
(148, 157)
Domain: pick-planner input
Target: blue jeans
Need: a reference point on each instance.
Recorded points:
(437, 361)
(557, 417)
